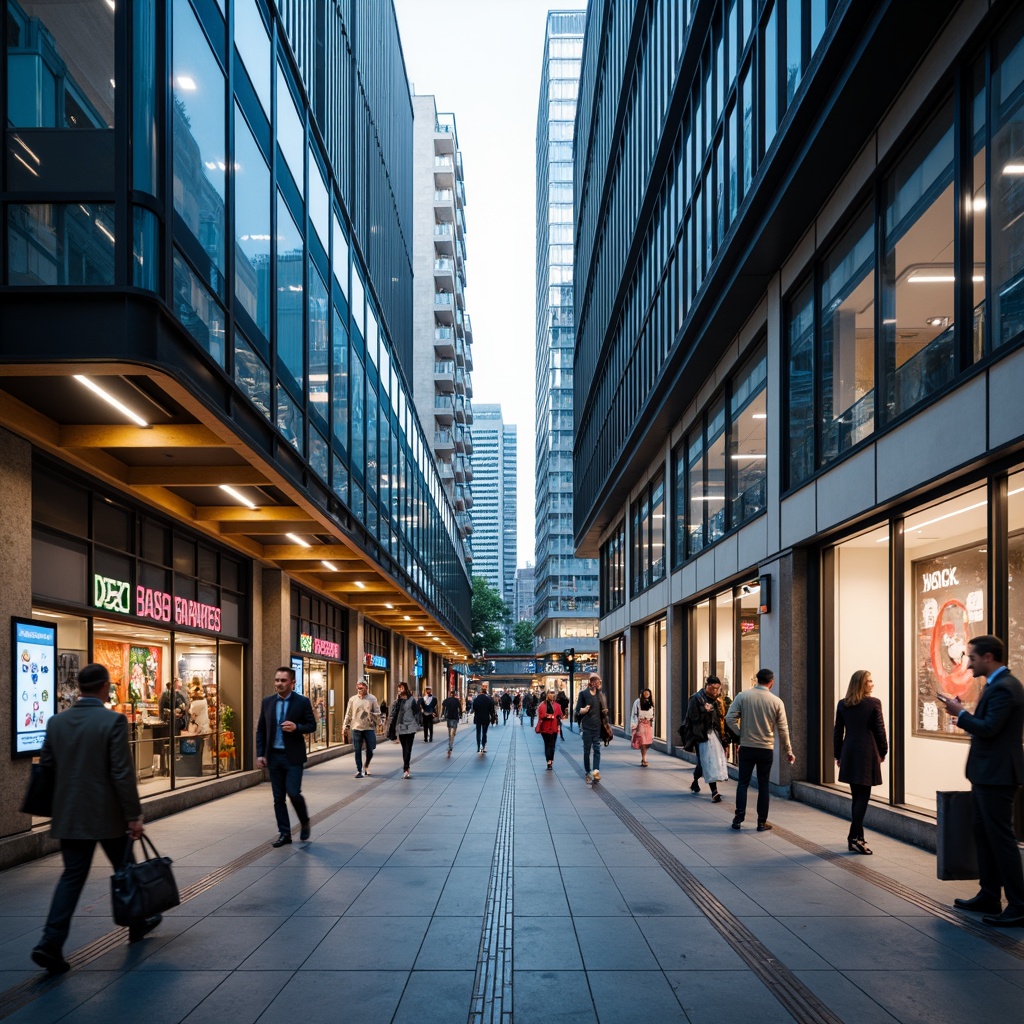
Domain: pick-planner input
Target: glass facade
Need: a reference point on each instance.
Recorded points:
(271, 313)
(565, 587)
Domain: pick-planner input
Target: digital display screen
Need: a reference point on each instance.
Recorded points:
(34, 645)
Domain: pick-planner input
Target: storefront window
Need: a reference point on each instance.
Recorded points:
(291, 305)
(655, 654)
(1015, 571)
(252, 226)
(799, 329)
(858, 616)
(748, 441)
(946, 572)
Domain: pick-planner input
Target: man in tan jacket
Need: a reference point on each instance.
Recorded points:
(757, 715)
(95, 800)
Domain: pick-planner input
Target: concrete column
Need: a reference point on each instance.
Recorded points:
(633, 683)
(15, 599)
(356, 669)
(784, 650)
(274, 633)
(678, 673)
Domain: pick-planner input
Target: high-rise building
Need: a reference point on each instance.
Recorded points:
(799, 359)
(565, 587)
(442, 382)
(522, 597)
(494, 485)
(209, 456)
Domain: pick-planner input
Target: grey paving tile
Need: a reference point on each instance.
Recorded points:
(412, 891)
(240, 998)
(321, 994)
(614, 943)
(288, 946)
(841, 995)
(688, 944)
(626, 995)
(369, 944)
(539, 892)
(212, 944)
(553, 997)
(464, 893)
(947, 996)
(711, 997)
(429, 997)
(544, 944)
(451, 943)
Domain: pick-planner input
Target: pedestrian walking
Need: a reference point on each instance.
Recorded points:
(705, 717)
(404, 723)
(484, 712)
(757, 714)
(285, 719)
(361, 718)
(641, 724)
(995, 768)
(95, 800)
(506, 706)
(550, 717)
(859, 745)
(590, 708)
(563, 702)
(517, 706)
(530, 706)
(428, 712)
(451, 710)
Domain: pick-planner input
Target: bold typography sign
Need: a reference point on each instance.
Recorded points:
(314, 645)
(375, 660)
(116, 596)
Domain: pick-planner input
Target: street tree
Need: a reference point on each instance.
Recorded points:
(489, 613)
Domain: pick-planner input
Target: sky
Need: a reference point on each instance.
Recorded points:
(481, 59)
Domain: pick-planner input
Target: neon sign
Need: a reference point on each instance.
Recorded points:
(309, 644)
(116, 596)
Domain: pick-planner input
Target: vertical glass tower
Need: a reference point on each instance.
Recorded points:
(565, 588)
(494, 487)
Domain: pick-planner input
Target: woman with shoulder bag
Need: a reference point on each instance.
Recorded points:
(404, 722)
(641, 724)
(549, 715)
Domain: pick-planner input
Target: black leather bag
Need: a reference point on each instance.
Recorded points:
(141, 889)
(39, 795)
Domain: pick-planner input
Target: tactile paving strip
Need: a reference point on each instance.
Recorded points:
(492, 986)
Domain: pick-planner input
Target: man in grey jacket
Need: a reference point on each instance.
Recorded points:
(95, 800)
(757, 715)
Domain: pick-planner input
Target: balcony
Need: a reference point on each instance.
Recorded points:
(469, 356)
(468, 411)
(467, 438)
(460, 192)
(444, 443)
(459, 498)
(468, 324)
(460, 222)
(460, 439)
(444, 342)
(469, 385)
(444, 376)
(444, 273)
(465, 521)
(460, 406)
(444, 410)
(444, 239)
(461, 471)
(446, 472)
(444, 172)
(444, 307)
(469, 496)
(460, 380)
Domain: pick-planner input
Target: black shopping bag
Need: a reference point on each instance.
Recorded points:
(39, 795)
(956, 854)
(140, 889)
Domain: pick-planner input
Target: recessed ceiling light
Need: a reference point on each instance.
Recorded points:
(241, 499)
(360, 584)
(388, 605)
(111, 400)
(329, 565)
(297, 540)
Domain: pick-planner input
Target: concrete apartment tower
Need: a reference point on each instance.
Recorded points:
(565, 588)
(442, 335)
(494, 514)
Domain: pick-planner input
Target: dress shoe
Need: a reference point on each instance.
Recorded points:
(358, 775)
(143, 928)
(716, 798)
(695, 786)
(304, 831)
(1011, 917)
(859, 846)
(736, 822)
(983, 903)
(284, 839)
(50, 958)
(764, 826)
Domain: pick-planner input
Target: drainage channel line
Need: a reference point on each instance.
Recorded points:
(802, 1004)
(492, 985)
(991, 935)
(17, 996)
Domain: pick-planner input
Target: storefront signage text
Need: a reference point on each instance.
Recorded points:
(314, 645)
(115, 596)
(375, 660)
(941, 579)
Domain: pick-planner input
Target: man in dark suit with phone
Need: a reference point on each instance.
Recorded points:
(285, 719)
(995, 767)
(95, 800)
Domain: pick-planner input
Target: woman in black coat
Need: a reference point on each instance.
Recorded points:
(860, 748)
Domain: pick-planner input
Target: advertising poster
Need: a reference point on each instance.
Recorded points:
(143, 673)
(949, 606)
(35, 683)
(115, 657)
(67, 678)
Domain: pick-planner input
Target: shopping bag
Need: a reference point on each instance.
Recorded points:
(635, 741)
(39, 795)
(712, 759)
(141, 889)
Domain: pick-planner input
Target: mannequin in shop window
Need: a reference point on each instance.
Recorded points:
(199, 716)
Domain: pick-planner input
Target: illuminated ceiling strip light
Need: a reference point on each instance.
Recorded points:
(1013, 169)
(238, 497)
(938, 519)
(111, 400)
(360, 584)
(328, 565)
(297, 540)
(941, 279)
(736, 458)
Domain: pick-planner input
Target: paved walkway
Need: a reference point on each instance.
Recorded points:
(486, 889)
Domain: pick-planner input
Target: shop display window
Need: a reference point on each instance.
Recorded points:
(946, 603)
(655, 671)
